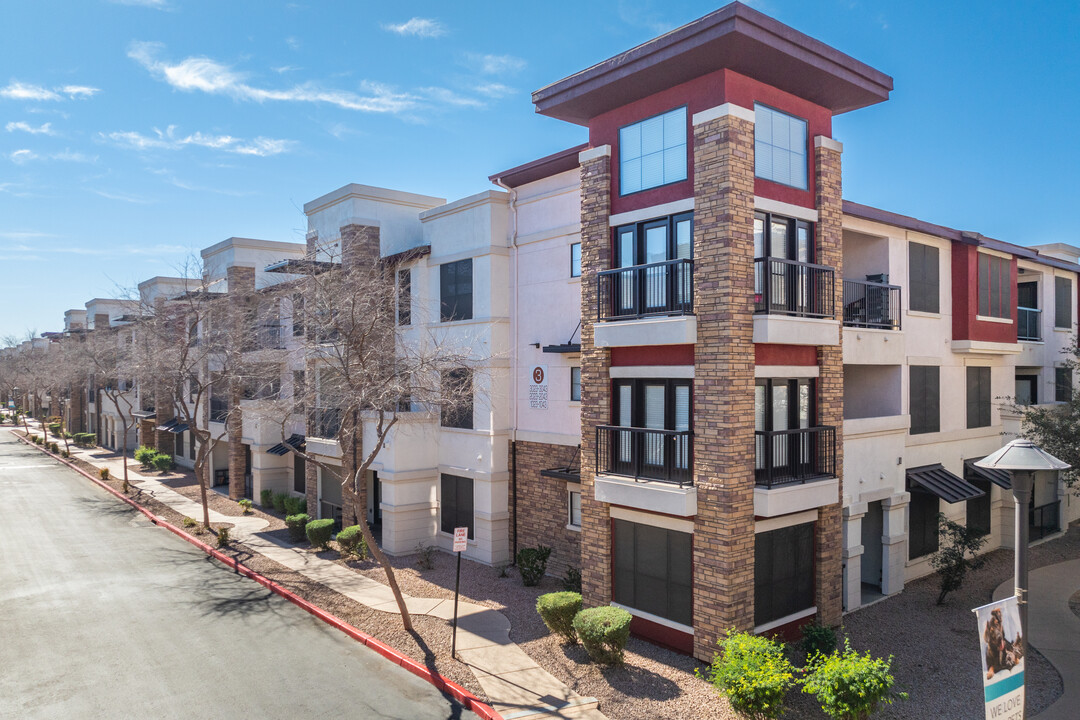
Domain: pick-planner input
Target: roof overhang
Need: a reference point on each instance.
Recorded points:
(539, 169)
(936, 480)
(735, 37)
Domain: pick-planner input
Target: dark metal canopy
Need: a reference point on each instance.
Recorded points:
(936, 480)
(294, 442)
(299, 266)
(1001, 478)
(144, 414)
(169, 425)
(567, 348)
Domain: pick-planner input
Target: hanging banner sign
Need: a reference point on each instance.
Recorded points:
(538, 387)
(1002, 659)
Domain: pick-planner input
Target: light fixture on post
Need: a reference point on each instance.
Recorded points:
(1023, 459)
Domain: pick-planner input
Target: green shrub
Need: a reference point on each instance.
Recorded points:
(266, 497)
(850, 686)
(958, 552)
(65, 453)
(143, 455)
(558, 610)
(222, 537)
(103, 473)
(818, 639)
(54, 428)
(85, 439)
(162, 462)
(532, 564)
(754, 674)
(37, 439)
(572, 580)
(295, 505)
(53, 447)
(297, 525)
(190, 522)
(425, 556)
(604, 632)
(319, 532)
(245, 505)
(352, 541)
(279, 501)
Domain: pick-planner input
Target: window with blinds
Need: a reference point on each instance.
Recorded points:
(456, 503)
(995, 286)
(922, 524)
(780, 146)
(456, 290)
(404, 308)
(923, 278)
(1063, 383)
(653, 570)
(783, 572)
(978, 397)
(924, 398)
(653, 152)
(1063, 303)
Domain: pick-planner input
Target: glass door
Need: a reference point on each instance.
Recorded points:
(654, 279)
(655, 419)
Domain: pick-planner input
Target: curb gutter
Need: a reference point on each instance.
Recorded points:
(466, 698)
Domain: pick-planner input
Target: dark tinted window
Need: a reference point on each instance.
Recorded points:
(922, 525)
(925, 399)
(404, 308)
(1062, 384)
(783, 572)
(458, 389)
(978, 509)
(995, 283)
(457, 503)
(299, 474)
(1062, 302)
(978, 397)
(923, 278)
(653, 570)
(455, 287)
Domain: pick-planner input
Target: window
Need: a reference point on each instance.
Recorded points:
(299, 474)
(193, 387)
(978, 509)
(404, 308)
(1027, 390)
(922, 524)
(458, 390)
(923, 278)
(179, 450)
(456, 506)
(574, 509)
(652, 152)
(455, 287)
(779, 147)
(664, 286)
(1062, 303)
(297, 315)
(978, 397)
(299, 388)
(653, 570)
(191, 445)
(995, 283)
(783, 572)
(782, 404)
(924, 399)
(1063, 384)
(575, 259)
(575, 384)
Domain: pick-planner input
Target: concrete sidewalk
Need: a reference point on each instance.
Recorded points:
(1054, 629)
(518, 688)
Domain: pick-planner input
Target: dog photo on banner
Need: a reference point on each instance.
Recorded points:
(1002, 659)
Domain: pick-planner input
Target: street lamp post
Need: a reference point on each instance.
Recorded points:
(1023, 459)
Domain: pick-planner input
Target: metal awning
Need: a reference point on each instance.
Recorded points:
(936, 480)
(1001, 478)
(568, 348)
(144, 414)
(568, 474)
(295, 442)
(299, 266)
(178, 428)
(169, 425)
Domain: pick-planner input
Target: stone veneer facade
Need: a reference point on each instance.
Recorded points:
(723, 379)
(542, 507)
(241, 286)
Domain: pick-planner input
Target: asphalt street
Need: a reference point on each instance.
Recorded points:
(104, 615)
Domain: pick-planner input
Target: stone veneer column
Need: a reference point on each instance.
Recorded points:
(723, 374)
(241, 286)
(595, 376)
(829, 541)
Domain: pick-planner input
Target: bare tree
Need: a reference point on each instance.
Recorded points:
(108, 354)
(364, 368)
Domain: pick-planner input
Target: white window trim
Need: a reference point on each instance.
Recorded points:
(785, 620)
(652, 371)
(660, 521)
(784, 521)
(655, 618)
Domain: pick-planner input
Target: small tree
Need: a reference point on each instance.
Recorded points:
(958, 553)
(1055, 427)
(753, 673)
(850, 686)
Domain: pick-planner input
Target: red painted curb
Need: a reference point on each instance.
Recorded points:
(466, 698)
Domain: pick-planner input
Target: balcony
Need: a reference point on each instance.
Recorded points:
(219, 410)
(324, 422)
(664, 288)
(788, 287)
(871, 305)
(266, 337)
(794, 457)
(645, 455)
(1029, 324)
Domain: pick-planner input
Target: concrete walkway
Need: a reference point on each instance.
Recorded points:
(517, 687)
(1054, 629)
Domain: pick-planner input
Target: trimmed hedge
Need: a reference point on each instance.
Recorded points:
(532, 564)
(266, 497)
(143, 455)
(604, 632)
(558, 610)
(297, 525)
(278, 501)
(352, 541)
(319, 532)
(85, 439)
(162, 462)
(295, 505)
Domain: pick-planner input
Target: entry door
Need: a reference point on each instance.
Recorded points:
(873, 527)
(626, 257)
(781, 406)
(1027, 389)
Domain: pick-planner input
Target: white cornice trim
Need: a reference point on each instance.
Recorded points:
(787, 371)
(723, 111)
(783, 521)
(592, 153)
(782, 208)
(653, 371)
(644, 518)
(653, 211)
(820, 141)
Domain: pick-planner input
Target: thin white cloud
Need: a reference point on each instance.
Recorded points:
(495, 64)
(122, 197)
(494, 90)
(70, 156)
(23, 235)
(206, 75)
(44, 129)
(168, 139)
(293, 42)
(420, 27)
(21, 156)
(16, 90)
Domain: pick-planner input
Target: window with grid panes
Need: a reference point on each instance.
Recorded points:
(653, 152)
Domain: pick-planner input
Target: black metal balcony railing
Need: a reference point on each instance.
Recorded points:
(871, 305)
(1029, 324)
(1043, 520)
(787, 457)
(644, 454)
(788, 287)
(267, 337)
(219, 410)
(324, 422)
(664, 288)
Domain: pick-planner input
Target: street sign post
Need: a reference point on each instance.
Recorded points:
(461, 541)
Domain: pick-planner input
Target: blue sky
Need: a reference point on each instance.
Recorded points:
(133, 132)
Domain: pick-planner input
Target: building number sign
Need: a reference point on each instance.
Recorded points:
(538, 387)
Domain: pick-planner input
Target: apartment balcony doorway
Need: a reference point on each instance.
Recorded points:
(873, 527)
